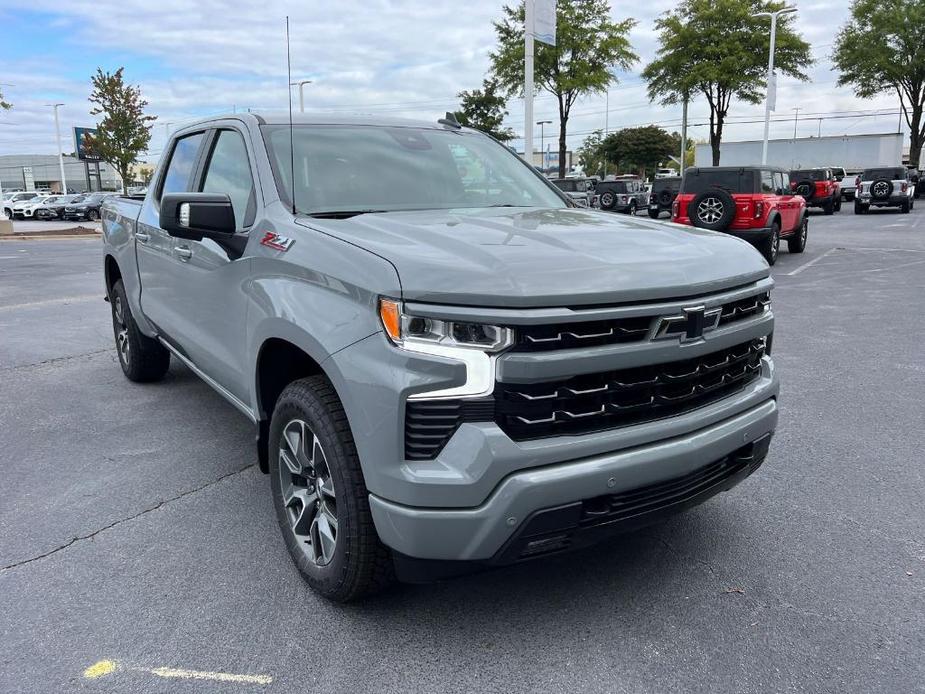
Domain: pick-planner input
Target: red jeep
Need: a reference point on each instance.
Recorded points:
(818, 187)
(754, 203)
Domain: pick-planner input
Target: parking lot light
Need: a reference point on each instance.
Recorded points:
(772, 86)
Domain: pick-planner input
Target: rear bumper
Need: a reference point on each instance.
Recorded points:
(486, 533)
(892, 201)
(751, 235)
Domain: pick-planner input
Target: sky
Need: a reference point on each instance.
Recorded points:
(390, 57)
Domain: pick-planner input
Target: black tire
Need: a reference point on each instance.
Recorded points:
(665, 197)
(359, 564)
(829, 207)
(838, 204)
(608, 200)
(906, 207)
(881, 189)
(654, 213)
(93, 215)
(142, 358)
(859, 208)
(631, 210)
(797, 242)
(716, 214)
(770, 247)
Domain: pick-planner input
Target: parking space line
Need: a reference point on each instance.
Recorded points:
(52, 302)
(810, 263)
(107, 667)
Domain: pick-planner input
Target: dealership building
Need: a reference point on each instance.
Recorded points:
(35, 171)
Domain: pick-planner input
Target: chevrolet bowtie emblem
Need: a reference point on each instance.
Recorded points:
(691, 325)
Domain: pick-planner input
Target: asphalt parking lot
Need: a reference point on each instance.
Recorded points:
(137, 531)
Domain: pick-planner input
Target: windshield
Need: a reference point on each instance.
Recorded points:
(811, 174)
(890, 174)
(344, 168)
(732, 181)
(661, 184)
(571, 185)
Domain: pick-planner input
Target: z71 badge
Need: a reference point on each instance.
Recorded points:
(276, 242)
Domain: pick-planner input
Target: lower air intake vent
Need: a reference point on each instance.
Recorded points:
(429, 424)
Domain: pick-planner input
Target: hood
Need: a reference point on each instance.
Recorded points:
(546, 257)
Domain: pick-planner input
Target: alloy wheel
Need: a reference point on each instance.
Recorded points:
(308, 492)
(122, 342)
(710, 210)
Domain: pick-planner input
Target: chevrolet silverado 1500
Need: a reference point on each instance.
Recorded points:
(448, 365)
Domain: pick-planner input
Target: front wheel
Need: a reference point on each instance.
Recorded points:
(797, 242)
(93, 215)
(632, 209)
(906, 207)
(770, 247)
(321, 500)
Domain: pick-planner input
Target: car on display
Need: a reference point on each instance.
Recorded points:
(819, 187)
(24, 209)
(53, 206)
(754, 203)
(87, 207)
(665, 173)
(445, 371)
(884, 186)
(579, 190)
(845, 182)
(12, 199)
(625, 194)
(662, 195)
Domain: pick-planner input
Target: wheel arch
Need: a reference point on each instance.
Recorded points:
(111, 272)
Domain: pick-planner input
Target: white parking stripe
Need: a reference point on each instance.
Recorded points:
(810, 263)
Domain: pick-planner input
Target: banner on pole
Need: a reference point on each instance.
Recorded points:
(772, 92)
(544, 21)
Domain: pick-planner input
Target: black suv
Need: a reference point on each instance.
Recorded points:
(87, 207)
(664, 191)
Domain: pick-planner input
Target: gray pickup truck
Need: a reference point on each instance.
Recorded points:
(447, 364)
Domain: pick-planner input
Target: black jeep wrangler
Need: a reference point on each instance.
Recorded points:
(664, 191)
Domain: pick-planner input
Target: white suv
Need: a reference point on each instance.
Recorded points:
(10, 200)
(26, 209)
(884, 186)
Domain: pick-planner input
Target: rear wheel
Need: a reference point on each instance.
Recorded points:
(859, 208)
(906, 207)
(143, 359)
(797, 242)
(838, 204)
(321, 500)
(770, 247)
(654, 214)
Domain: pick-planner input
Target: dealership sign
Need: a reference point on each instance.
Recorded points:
(82, 145)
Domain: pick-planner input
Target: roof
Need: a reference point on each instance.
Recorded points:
(753, 167)
(321, 118)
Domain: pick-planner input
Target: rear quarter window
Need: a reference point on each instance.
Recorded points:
(890, 174)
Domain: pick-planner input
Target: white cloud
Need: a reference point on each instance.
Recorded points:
(402, 57)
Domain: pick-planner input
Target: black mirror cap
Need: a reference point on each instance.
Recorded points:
(194, 216)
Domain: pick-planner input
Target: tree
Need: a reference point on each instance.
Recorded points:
(718, 49)
(589, 45)
(4, 106)
(485, 109)
(591, 154)
(638, 149)
(881, 49)
(124, 131)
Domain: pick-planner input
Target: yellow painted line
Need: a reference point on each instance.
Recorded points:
(106, 667)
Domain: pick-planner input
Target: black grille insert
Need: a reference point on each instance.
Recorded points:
(429, 424)
(594, 402)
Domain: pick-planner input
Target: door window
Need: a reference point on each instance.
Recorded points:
(182, 161)
(229, 172)
(768, 183)
(782, 184)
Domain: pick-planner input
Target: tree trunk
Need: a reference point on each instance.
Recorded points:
(563, 122)
(917, 137)
(716, 135)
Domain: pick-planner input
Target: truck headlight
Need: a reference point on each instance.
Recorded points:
(406, 330)
(474, 344)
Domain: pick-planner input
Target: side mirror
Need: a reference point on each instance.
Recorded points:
(195, 216)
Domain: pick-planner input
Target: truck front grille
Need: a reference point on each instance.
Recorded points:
(595, 402)
(540, 338)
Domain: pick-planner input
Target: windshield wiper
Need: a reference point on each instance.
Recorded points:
(341, 214)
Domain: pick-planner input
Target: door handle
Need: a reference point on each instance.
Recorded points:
(141, 236)
(183, 252)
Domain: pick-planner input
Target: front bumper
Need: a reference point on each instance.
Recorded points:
(488, 532)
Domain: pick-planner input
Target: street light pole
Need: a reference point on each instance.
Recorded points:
(796, 118)
(772, 85)
(60, 155)
(541, 123)
(301, 84)
(528, 81)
